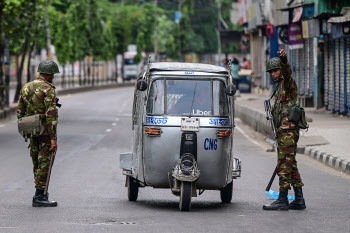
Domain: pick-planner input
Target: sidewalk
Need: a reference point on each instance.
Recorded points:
(327, 140)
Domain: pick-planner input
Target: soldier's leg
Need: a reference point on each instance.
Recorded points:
(34, 151)
(296, 178)
(44, 157)
(287, 146)
(284, 170)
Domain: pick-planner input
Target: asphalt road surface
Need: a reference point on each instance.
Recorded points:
(86, 181)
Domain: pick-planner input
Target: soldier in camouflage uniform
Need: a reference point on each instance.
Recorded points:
(39, 97)
(287, 134)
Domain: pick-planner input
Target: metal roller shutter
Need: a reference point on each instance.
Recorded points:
(310, 82)
(347, 74)
(326, 73)
(342, 106)
(297, 69)
(301, 72)
(331, 76)
(337, 76)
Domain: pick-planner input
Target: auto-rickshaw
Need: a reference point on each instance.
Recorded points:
(182, 122)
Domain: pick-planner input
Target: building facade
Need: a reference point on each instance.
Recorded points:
(316, 35)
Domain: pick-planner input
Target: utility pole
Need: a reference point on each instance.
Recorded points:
(218, 31)
(48, 34)
(155, 31)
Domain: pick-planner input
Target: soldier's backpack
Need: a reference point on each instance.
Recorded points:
(31, 126)
(297, 116)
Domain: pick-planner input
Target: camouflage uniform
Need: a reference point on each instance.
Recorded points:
(287, 132)
(39, 97)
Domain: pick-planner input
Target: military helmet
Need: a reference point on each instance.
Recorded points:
(48, 67)
(273, 63)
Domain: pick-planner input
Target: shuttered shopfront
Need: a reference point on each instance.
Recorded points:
(337, 74)
(303, 67)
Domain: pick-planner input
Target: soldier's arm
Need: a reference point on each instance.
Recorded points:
(21, 110)
(286, 69)
(51, 113)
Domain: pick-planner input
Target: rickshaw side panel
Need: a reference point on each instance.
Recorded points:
(137, 171)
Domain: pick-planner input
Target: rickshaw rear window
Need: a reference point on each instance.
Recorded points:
(188, 97)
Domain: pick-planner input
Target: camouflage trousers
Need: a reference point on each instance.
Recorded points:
(287, 169)
(39, 151)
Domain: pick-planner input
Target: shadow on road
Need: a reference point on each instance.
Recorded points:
(174, 205)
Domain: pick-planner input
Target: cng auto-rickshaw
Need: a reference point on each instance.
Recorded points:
(182, 122)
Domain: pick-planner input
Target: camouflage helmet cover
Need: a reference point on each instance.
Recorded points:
(273, 63)
(48, 67)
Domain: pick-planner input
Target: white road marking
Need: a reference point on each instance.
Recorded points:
(2, 126)
(250, 139)
(114, 124)
(9, 227)
(117, 119)
(108, 130)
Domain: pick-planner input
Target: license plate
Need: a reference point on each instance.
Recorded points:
(190, 124)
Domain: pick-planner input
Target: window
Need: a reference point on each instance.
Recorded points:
(186, 97)
(155, 103)
(333, 4)
(220, 104)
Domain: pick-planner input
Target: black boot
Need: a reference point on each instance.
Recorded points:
(299, 202)
(280, 204)
(43, 201)
(38, 192)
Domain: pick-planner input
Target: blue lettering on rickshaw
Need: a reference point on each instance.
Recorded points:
(219, 121)
(156, 120)
(210, 144)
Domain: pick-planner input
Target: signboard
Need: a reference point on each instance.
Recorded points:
(295, 36)
(311, 28)
(178, 15)
(305, 29)
(297, 14)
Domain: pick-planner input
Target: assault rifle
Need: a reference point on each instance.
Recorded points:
(270, 118)
(58, 104)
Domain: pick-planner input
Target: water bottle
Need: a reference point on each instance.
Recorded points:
(291, 197)
(274, 195)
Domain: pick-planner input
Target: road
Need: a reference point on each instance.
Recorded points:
(86, 181)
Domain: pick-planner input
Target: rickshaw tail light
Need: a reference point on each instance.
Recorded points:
(224, 133)
(153, 131)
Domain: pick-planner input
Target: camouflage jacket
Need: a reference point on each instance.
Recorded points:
(287, 91)
(39, 97)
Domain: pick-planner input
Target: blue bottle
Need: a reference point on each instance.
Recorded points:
(274, 195)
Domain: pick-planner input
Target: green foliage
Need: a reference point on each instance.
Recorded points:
(25, 25)
(140, 42)
(104, 28)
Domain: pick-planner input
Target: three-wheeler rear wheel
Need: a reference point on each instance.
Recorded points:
(133, 189)
(185, 196)
(226, 193)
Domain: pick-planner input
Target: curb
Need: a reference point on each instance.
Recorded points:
(257, 121)
(329, 159)
(13, 107)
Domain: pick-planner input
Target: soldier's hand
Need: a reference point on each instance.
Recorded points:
(53, 147)
(283, 54)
